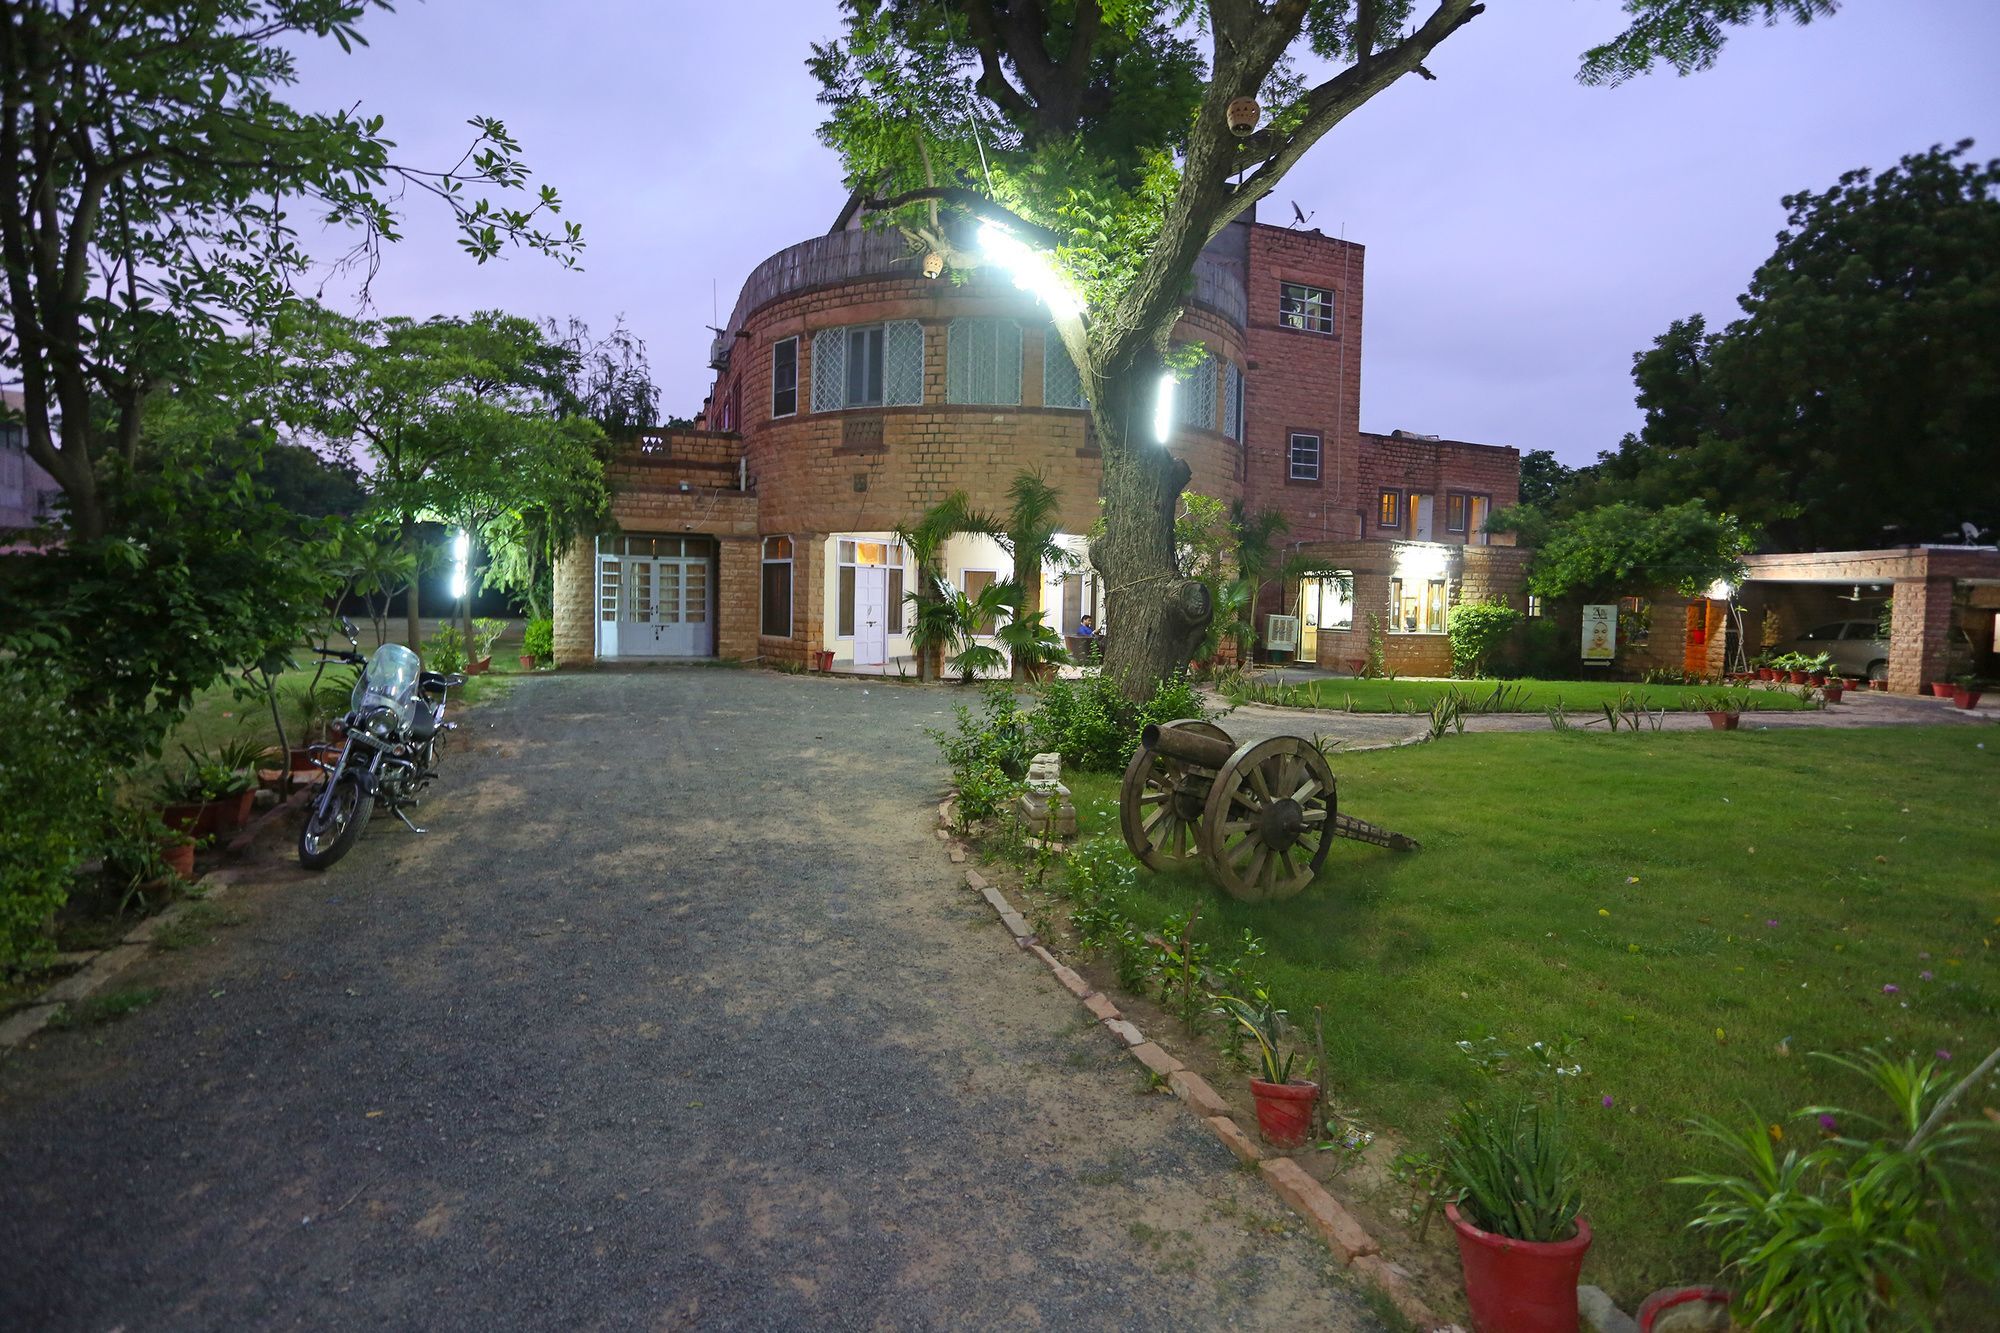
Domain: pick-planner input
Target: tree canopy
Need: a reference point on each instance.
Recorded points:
(1619, 550)
(148, 199)
(1856, 402)
(1095, 136)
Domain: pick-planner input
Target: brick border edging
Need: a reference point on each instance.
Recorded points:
(1344, 1237)
(135, 943)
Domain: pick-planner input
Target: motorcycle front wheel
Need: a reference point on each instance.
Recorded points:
(333, 824)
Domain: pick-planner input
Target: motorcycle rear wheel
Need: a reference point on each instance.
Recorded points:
(332, 826)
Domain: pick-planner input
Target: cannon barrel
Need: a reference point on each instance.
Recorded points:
(1188, 745)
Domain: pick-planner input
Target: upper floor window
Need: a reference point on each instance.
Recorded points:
(1454, 512)
(1305, 456)
(1194, 399)
(1389, 510)
(1306, 308)
(1232, 401)
(785, 377)
(983, 362)
(1062, 383)
(868, 365)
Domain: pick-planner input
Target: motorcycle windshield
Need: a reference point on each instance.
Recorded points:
(389, 680)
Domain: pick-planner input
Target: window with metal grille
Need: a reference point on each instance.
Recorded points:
(1232, 402)
(785, 377)
(1308, 309)
(1305, 456)
(868, 365)
(1062, 382)
(1194, 402)
(983, 362)
(777, 615)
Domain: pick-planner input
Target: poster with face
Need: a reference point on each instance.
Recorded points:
(1600, 633)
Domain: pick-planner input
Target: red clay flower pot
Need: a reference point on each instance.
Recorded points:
(1723, 720)
(527, 662)
(179, 858)
(1833, 692)
(1799, 678)
(1765, 673)
(1670, 1307)
(1943, 689)
(1965, 698)
(231, 812)
(1284, 1110)
(1519, 1286)
(826, 659)
(1882, 685)
(196, 817)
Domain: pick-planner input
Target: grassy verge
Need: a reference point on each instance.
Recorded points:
(1700, 909)
(1505, 696)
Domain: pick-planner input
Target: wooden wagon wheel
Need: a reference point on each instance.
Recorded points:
(1269, 820)
(1161, 800)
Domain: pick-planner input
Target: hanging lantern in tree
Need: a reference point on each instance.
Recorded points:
(1243, 116)
(933, 264)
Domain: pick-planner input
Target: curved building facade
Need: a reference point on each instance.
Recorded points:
(852, 393)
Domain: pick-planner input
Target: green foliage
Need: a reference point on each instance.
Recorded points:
(445, 649)
(1621, 549)
(1095, 728)
(538, 639)
(52, 793)
(172, 160)
(1873, 319)
(1260, 1018)
(486, 632)
(1863, 1229)
(1030, 640)
(1507, 1155)
(1477, 630)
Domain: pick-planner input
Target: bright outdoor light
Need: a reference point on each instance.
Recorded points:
(1163, 409)
(461, 548)
(1720, 591)
(1030, 268)
(1425, 561)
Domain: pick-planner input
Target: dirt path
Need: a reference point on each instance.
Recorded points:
(676, 1019)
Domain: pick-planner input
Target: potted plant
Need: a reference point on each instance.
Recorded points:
(1966, 692)
(1943, 689)
(1521, 1234)
(1284, 1097)
(538, 642)
(1856, 1221)
(486, 632)
(1686, 1310)
(1034, 644)
(1832, 689)
(226, 779)
(1724, 711)
(445, 650)
(1880, 683)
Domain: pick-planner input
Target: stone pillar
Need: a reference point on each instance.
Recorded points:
(576, 604)
(739, 589)
(1919, 634)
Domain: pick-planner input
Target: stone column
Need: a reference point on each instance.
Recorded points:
(1919, 634)
(576, 604)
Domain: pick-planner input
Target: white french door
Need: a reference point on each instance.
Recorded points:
(655, 597)
(871, 615)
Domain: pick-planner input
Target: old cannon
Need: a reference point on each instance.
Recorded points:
(1261, 816)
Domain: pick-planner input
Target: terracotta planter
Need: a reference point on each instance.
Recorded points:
(1832, 692)
(1799, 678)
(478, 668)
(825, 656)
(1724, 719)
(1685, 1308)
(1519, 1286)
(1943, 689)
(189, 817)
(179, 858)
(1765, 673)
(1879, 685)
(527, 662)
(1816, 678)
(1284, 1110)
(1965, 698)
(231, 812)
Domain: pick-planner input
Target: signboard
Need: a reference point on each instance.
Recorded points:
(1600, 634)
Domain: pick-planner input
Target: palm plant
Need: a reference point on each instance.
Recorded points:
(1034, 509)
(973, 617)
(931, 620)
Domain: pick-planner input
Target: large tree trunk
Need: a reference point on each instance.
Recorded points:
(1154, 616)
(1027, 578)
(411, 598)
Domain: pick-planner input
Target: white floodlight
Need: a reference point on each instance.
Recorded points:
(461, 550)
(1422, 561)
(1720, 591)
(1030, 268)
(1163, 409)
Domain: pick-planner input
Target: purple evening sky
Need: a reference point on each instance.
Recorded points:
(1525, 235)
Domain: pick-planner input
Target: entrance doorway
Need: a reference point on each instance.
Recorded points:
(1326, 601)
(654, 597)
(871, 615)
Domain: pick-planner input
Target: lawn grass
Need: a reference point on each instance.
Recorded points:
(1358, 695)
(1700, 909)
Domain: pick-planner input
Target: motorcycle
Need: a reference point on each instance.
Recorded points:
(394, 735)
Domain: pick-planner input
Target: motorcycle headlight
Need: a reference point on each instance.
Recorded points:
(379, 725)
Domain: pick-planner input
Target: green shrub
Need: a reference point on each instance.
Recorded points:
(53, 804)
(1095, 728)
(538, 640)
(1536, 648)
(445, 650)
(1477, 629)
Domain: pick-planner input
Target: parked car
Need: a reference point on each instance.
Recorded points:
(1857, 652)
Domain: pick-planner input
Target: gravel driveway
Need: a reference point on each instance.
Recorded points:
(677, 1018)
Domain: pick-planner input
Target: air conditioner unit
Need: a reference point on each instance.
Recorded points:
(1281, 634)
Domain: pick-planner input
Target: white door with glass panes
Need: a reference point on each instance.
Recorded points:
(654, 597)
(871, 615)
(1422, 528)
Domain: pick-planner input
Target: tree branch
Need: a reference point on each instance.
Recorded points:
(969, 201)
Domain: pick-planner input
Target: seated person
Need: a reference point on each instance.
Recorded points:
(1085, 629)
